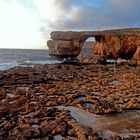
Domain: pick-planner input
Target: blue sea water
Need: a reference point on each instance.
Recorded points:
(19, 57)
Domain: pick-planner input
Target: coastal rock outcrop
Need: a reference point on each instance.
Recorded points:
(119, 43)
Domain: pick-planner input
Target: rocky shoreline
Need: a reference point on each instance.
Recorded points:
(35, 101)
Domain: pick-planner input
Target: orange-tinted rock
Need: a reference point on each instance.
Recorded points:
(120, 46)
(136, 56)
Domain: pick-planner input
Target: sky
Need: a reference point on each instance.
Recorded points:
(26, 24)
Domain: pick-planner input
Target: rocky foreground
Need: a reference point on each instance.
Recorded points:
(37, 102)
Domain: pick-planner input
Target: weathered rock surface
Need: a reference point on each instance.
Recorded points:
(29, 98)
(119, 46)
(64, 48)
(119, 43)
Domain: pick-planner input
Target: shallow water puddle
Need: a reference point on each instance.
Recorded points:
(35, 126)
(87, 105)
(41, 95)
(10, 95)
(23, 88)
(58, 137)
(115, 82)
(123, 124)
(111, 62)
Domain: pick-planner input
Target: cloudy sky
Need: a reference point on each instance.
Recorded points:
(28, 23)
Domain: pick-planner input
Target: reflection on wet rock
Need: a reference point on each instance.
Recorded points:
(123, 124)
(87, 105)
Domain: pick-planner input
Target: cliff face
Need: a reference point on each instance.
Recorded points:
(117, 46)
(119, 43)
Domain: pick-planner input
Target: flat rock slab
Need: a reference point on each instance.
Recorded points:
(123, 124)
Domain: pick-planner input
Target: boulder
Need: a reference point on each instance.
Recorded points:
(98, 59)
(84, 59)
(95, 59)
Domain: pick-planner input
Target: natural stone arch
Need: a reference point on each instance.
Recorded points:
(110, 43)
(87, 46)
(94, 50)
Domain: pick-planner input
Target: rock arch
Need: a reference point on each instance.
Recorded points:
(88, 46)
(111, 43)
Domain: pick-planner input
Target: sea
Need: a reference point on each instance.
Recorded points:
(10, 58)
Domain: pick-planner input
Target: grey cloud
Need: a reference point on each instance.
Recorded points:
(112, 14)
(64, 5)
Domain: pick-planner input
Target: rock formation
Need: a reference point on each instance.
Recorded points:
(118, 43)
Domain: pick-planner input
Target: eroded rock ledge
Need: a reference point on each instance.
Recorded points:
(118, 43)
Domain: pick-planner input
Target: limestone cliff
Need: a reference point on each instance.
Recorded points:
(117, 43)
